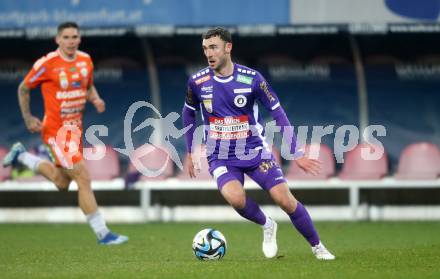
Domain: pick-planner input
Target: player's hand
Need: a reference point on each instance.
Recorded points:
(33, 124)
(311, 166)
(99, 105)
(192, 167)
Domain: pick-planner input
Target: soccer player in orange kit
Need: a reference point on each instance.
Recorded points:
(66, 80)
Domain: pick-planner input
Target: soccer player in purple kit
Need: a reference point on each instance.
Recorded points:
(226, 94)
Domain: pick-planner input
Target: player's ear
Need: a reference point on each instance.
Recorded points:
(228, 47)
(57, 39)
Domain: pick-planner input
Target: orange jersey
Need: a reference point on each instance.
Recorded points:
(64, 87)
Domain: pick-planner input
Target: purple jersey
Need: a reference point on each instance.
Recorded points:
(230, 111)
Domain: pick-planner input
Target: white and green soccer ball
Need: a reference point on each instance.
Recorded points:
(209, 244)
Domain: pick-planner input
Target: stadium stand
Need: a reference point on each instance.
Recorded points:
(204, 174)
(152, 158)
(313, 76)
(106, 168)
(5, 173)
(419, 161)
(317, 151)
(356, 167)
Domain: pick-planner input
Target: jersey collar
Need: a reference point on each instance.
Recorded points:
(224, 80)
(64, 57)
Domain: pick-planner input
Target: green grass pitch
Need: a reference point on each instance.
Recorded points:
(163, 250)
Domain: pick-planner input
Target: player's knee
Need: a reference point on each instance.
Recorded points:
(287, 204)
(84, 184)
(62, 183)
(238, 202)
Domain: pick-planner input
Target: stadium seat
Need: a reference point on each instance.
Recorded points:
(106, 168)
(329, 59)
(153, 158)
(357, 168)
(419, 161)
(204, 167)
(325, 155)
(380, 59)
(5, 173)
(118, 62)
(277, 59)
(429, 59)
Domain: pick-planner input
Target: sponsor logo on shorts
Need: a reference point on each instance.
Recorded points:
(219, 171)
(266, 165)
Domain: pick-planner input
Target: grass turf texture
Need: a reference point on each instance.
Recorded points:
(163, 250)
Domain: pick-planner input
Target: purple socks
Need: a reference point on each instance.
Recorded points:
(300, 219)
(303, 223)
(252, 212)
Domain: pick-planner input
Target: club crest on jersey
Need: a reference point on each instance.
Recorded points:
(208, 105)
(64, 83)
(84, 72)
(240, 101)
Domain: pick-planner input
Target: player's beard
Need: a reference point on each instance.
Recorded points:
(220, 65)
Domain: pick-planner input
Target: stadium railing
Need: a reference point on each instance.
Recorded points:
(149, 211)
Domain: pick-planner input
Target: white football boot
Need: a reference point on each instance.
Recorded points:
(270, 247)
(321, 253)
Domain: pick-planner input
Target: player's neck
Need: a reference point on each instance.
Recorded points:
(225, 71)
(66, 56)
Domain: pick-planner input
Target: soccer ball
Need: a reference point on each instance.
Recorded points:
(209, 244)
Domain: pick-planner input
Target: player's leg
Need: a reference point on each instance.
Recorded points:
(89, 206)
(18, 154)
(300, 218)
(235, 195)
(230, 183)
(54, 174)
(259, 173)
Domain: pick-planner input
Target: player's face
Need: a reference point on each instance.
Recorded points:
(217, 52)
(68, 41)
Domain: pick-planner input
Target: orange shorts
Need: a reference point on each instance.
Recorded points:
(65, 147)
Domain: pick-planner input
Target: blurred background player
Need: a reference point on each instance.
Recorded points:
(66, 80)
(226, 93)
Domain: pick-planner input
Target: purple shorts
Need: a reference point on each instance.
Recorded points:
(265, 172)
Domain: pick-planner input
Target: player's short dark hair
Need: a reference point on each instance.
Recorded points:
(67, 24)
(223, 33)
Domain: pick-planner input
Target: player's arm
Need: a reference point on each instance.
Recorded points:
(33, 124)
(270, 101)
(308, 165)
(94, 98)
(189, 119)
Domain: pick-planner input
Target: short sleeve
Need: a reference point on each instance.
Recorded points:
(37, 75)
